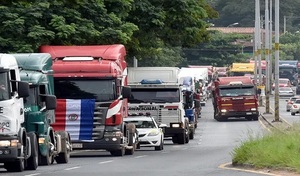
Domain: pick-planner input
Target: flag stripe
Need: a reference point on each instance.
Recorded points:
(86, 122)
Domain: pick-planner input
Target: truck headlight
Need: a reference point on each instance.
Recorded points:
(9, 143)
(223, 110)
(175, 125)
(5, 143)
(14, 143)
(253, 109)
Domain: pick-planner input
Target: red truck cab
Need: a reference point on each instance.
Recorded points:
(235, 97)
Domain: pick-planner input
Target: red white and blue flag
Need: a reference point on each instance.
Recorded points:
(76, 117)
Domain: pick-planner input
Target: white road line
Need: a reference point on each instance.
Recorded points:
(33, 174)
(104, 162)
(184, 148)
(141, 156)
(71, 168)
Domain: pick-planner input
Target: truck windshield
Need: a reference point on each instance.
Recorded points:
(101, 90)
(154, 95)
(4, 90)
(237, 91)
(287, 72)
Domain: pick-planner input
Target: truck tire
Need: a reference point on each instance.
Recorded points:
(175, 139)
(33, 161)
(48, 159)
(19, 165)
(130, 132)
(181, 138)
(192, 132)
(64, 155)
(255, 117)
(120, 152)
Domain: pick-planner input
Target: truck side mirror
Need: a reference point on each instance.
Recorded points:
(23, 89)
(126, 92)
(50, 101)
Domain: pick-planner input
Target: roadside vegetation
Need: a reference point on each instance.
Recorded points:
(274, 150)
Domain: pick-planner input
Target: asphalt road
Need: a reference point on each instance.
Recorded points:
(203, 156)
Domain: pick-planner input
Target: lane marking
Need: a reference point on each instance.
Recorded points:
(141, 156)
(71, 168)
(33, 174)
(104, 162)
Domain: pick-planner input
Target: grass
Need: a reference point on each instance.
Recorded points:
(275, 150)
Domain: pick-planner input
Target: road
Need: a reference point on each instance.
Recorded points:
(213, 145)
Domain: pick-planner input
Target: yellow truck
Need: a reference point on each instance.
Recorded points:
(242, 69)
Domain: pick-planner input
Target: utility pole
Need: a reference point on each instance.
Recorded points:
(276, 60)
(258, 46)
(267, 54)
(270, 66)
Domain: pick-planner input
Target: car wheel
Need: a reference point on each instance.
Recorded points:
(292, 113)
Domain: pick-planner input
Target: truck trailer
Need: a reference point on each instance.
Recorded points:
(91, 88)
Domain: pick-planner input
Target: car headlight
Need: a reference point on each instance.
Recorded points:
(153, 133)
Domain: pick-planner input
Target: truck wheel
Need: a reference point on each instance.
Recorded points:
(191, 136)
(255, 117)
(33, 161)
(120, 152)
(48, 159)
(181, 138)
(64, 155)
(175, 139)
(249, 118)
(130, 131)
(19, 165)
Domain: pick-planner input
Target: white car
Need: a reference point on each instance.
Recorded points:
(295, 107)
(286, 92)
(150, 134)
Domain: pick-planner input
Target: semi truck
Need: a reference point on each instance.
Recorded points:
(18, 147)
(156, 90)
(235, 97)
(36, 69)
(289, 69)
(91, 88)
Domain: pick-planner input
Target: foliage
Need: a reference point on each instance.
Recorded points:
(275, 150)
(222, 50)
(152, 30)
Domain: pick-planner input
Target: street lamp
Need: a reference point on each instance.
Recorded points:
(233, 24)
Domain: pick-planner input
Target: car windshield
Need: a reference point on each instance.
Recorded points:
(142, 123)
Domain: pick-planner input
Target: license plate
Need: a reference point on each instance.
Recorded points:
(77, 145)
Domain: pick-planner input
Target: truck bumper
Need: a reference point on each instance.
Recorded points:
(239, 114)
(107, 143)
(8, 154)
(170, 132)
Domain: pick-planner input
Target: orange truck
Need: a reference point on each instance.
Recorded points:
(235, 97)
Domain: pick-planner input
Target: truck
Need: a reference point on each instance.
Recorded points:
(235, 96)
(289, 69)
(242, 69)
(156, 90)
(18, 147)
(189, 103)
(90, 84)
(39, 107)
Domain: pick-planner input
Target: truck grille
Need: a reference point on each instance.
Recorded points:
(99, 121)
